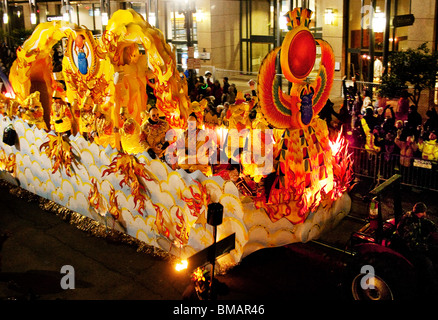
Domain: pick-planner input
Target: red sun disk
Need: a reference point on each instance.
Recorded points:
(302, 54)
(79, 41)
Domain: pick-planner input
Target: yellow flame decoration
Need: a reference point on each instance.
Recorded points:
(132, 170)
(59, 151)
(116, 75)
(94, 197)
(114, 206)
(7, 163)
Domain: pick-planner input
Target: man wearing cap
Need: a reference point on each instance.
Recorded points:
(418, 235)
(60, 115)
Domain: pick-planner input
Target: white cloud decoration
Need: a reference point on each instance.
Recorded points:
(253, 229)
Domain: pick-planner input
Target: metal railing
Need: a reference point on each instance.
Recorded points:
(382, 166)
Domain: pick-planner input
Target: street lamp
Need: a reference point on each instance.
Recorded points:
(104, 17)
(371, 42)
(378, 23)
(33, 18)
(32, 7)
(188, 11)
(66, 10)
(104, 13)
(5, 19)
(152, 19)
(329, 16)
(386, 36)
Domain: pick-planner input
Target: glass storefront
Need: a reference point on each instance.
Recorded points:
(263, 27)
(365, 44)
(83, 13)
(181, 29)
(368, 43)
(86, 14)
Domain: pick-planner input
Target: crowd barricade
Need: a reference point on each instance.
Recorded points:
(380, 166)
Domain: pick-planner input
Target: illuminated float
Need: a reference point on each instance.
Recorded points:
(104, 174)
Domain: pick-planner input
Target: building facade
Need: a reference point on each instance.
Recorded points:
(233, 36)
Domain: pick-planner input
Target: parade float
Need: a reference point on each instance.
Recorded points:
(74, 138)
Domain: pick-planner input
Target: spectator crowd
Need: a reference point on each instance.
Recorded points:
(378, 125)
(216, 98)
(393, 129)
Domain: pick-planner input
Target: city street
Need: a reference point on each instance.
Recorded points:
(112, 267)
(95, 93)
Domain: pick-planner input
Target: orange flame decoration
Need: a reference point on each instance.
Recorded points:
(182, 232)
(7, 163)
(167, 101)
(342, 167)
(128, 166)
(127, 28)
(199, 201)
(94, 197)
(110, 40)
(59, 151)
(293, 201)
(114, 206)
(159, 221)
(289, 198)
(169, 228)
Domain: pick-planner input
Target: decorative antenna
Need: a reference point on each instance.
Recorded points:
(298, 17)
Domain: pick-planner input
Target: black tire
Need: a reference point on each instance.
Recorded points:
(395, 276)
